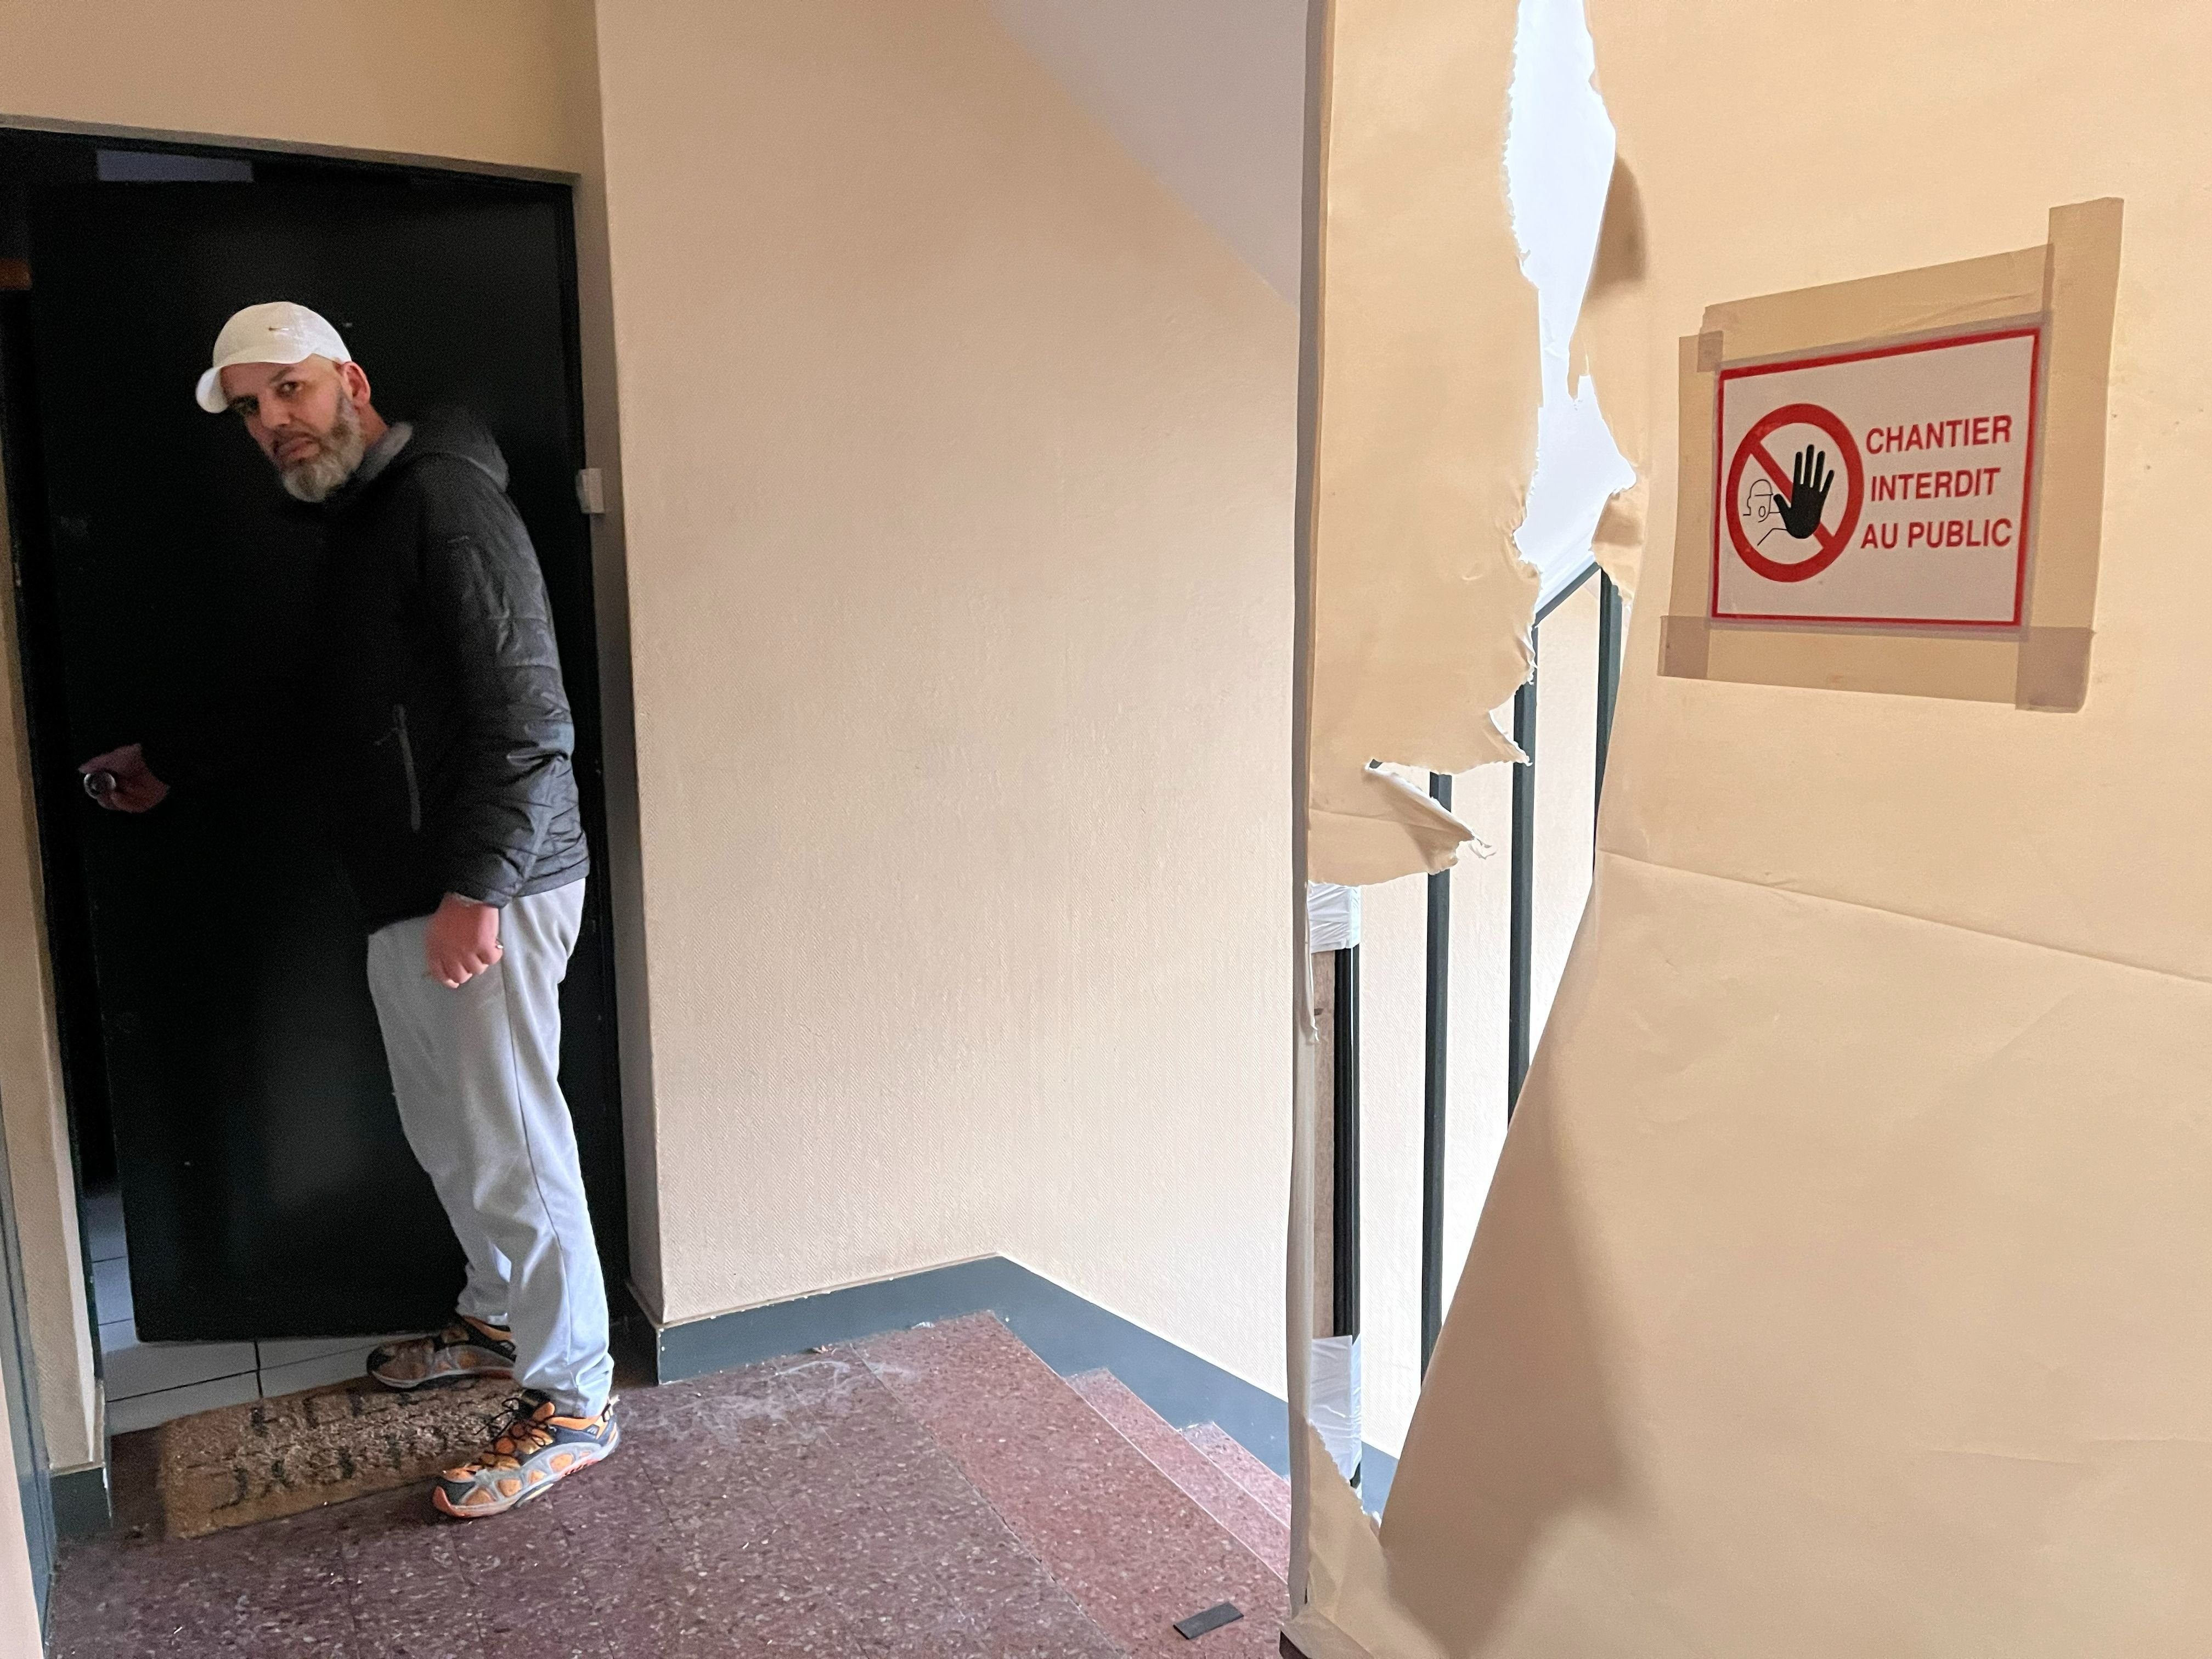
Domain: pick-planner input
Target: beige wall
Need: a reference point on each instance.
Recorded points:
(959, 478)
(507, 83)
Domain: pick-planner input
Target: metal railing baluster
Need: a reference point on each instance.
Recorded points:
(1344, 1285)
(1433, 1081)
(1608, 678)
(1521, 925)
(1521, 931)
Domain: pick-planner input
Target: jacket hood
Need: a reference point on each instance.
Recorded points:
(452, 430)
(447, 430)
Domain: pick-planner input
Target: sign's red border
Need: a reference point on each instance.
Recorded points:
(2034, 332)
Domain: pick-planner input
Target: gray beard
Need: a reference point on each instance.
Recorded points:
(316, 477)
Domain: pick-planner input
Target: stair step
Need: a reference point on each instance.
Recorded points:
(1135, 1552)
(1209, 1486)
(1240, 1466)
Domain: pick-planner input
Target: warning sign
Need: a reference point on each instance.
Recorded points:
(1885, 485)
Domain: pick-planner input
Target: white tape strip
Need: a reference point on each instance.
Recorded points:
(1332, 916)
(1333, 1400)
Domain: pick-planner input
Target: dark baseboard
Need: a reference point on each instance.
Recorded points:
(1068, 1332)
(83, 1504)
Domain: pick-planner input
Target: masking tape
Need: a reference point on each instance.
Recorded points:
(1996, 288)
(1690, 593)
(1839, 659)
(1685, 643)
(2053, 676)
(2083, 274)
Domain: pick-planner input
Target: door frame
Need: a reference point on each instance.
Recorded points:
(610, 802)
(19, 1389)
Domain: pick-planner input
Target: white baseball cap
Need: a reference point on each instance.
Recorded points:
(277, 333)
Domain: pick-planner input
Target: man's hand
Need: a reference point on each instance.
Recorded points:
(136, 789)
(462, 942)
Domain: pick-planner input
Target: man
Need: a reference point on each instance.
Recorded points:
(444, 740)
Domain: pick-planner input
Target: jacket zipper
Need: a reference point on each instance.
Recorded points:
(407, 765)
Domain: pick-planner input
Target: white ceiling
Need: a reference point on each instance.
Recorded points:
(1209, 96)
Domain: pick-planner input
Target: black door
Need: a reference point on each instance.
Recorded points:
(267, 1189)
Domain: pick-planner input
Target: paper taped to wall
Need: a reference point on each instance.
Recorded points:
(1896, 484)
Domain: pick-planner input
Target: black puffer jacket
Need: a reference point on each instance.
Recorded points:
(439, 700)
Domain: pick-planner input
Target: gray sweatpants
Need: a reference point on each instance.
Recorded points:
(477, 1071)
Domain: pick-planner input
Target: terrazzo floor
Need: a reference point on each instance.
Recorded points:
(936, 1492)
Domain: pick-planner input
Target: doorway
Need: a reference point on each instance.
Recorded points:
(247, 1184)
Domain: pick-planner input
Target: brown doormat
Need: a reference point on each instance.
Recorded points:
(273, 1457)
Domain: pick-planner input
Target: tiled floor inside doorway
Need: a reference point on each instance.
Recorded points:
(153, 1382)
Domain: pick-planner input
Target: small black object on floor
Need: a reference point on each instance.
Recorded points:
(1220, 1613)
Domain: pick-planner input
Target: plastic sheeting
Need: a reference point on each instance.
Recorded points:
(1332, 917)
(1842, 1288)
(1333, 1400)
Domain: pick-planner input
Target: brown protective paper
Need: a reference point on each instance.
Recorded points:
(1841, 1290)
(1346, 1611)
(1419, 398)
(2068, 286)
(1858, 1319)
(1426, 421)
(1377, 828)
(1300, 1252)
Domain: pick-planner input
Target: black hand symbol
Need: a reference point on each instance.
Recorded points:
(1810, 476)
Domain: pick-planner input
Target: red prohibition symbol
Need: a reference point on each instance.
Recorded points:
(1830, 544)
